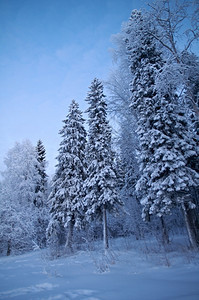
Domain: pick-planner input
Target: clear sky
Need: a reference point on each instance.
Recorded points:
(50, 51)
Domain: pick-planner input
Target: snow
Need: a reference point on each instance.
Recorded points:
(127, 272)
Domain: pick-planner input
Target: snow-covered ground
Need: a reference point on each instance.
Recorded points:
(128, 272)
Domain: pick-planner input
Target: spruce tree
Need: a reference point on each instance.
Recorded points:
(66, 195)
(101, 184)
(166, 145)
(41, 194)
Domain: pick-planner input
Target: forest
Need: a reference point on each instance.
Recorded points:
(131, 167)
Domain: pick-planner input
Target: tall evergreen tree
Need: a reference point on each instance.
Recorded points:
(66, 196)
(41, 194)
(101, 184)
(166, 145)
(41, 158)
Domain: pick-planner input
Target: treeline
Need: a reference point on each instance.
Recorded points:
(147, 180)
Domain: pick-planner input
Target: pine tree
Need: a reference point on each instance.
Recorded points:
(66, 195)
(166, 145)
(101, 184)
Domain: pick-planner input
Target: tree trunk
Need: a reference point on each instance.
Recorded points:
(191, 229)
(195, 194)
(69, 241)
(9, 248)
(105, 231)
(165, 234)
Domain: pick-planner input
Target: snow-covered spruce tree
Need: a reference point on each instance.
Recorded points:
(177, 19)
(41, 189)
(66, 196)
(18, 212)
(101, 194)
(41, 196)
(166, 145)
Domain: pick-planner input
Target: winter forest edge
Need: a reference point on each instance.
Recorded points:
(141, 181)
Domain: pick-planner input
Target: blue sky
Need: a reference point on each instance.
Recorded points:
(50, 51)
